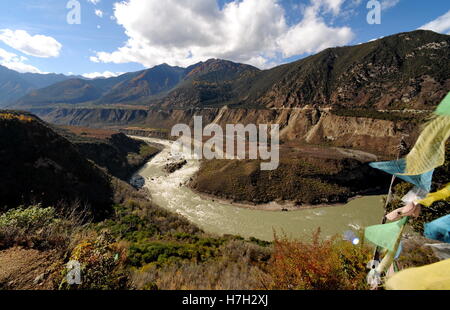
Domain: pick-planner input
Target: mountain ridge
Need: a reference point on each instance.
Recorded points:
(130, 88)
(406, 70)
(414, 64)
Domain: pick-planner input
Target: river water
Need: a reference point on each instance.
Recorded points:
(169, 191)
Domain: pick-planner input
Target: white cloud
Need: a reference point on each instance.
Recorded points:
(21, 67)
(106, 74)
(440, 24)
(6, 56)
(387, 4)
(94, 2)
(313, 35)
(252, 31)
(99, 13)
(333, 5)
(15, 62)
(37, 45)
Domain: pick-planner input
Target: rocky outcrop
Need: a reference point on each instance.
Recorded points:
(144, 132)
(174, 166)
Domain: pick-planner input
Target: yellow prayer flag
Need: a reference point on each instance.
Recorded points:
(437, 196)
(431, 277)
(429, 151)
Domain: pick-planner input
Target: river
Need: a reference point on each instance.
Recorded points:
(170, 192)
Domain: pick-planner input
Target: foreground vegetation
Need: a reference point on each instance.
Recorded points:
(145, 247)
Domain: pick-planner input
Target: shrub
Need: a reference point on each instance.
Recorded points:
(318, 265)
(102, 265)
(33, 227)
(415, 254)
(130, 227)
(239, 265)
(28, 219)
(187, 275)
(42, 228)
(161, 253)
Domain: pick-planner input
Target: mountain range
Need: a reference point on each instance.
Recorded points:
(136, 88)
(14, 85)
(407, 70)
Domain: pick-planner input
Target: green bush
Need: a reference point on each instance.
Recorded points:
(162, 253)
(31, 218)
(32, 227)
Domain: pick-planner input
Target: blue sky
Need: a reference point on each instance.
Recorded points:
(135, 34)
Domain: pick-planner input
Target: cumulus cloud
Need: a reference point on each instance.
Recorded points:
(16, 63)
(37, 45)
(313, 35)
(99, 13)
(251, 31)
(106, 74)
(440, 24)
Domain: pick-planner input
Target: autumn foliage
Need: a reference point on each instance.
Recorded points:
(20, 117)
(318, 265)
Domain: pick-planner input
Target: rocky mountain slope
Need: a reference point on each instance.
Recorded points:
(207, 84)
(407, 70)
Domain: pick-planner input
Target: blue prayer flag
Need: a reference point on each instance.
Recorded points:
(397, 167)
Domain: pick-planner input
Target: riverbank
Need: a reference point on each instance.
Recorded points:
(285, 206)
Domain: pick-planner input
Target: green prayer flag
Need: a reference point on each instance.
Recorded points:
(385, 235)
(444, 107)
